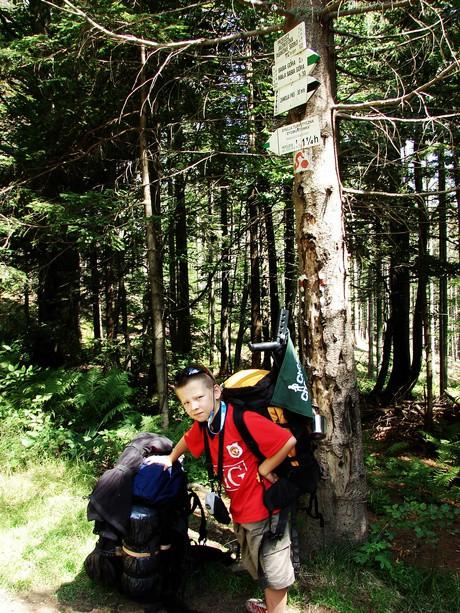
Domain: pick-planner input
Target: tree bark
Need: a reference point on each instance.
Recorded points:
(385, 364)
(443, 312)
(272, 269)
(172, 266)
(109, 296)
(370, 326)
(242, 318)
(325, 330)
(399, 299)
(256, 318)
(151, 212)
(95, 289)
(289, 259)
(225, 289)
(420, 308)
(182, 310)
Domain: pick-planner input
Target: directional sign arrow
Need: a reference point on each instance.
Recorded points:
(293, 68)
(295, 136)
(295, 94)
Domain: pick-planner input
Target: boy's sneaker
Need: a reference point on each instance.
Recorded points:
(255, 605)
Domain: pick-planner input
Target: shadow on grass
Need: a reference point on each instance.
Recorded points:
(208, 588)
(83, 595)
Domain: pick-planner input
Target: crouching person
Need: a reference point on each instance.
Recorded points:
(267, 559)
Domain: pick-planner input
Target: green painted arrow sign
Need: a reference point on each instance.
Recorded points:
(294, 68)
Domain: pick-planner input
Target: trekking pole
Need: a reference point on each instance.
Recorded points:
(281, 337)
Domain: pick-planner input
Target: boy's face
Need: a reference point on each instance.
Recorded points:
(198, 399)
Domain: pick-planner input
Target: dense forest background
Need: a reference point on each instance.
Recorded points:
(144, 224)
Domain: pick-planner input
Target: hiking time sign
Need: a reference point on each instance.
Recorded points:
(295, 136)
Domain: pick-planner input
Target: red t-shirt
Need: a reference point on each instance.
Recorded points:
(240, 465)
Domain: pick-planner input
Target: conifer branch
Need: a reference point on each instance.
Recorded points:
(400, 100)
(152, 44)
(361, 192)
(334, 11)
(429, 119)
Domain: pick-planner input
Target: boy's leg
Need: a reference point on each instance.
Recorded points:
(276, 600)
(269, 560)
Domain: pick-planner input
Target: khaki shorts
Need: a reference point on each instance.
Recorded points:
(266, 559)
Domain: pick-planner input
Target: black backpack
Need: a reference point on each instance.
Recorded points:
(143, 553)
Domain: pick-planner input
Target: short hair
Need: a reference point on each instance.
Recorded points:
(195, 371)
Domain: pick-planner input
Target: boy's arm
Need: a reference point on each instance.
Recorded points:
(267, 467)
(168, 460)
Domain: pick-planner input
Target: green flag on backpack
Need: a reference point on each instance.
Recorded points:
(291, 390)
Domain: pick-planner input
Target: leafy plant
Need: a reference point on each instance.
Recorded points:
(448, 454)
(376, 550)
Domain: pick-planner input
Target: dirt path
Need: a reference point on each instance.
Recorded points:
(46, 603)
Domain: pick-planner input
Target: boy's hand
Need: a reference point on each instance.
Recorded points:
(159, 459)
(271, 477)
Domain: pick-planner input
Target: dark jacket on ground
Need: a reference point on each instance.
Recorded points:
(110, 502)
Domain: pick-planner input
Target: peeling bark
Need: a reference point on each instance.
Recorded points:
(325, 324)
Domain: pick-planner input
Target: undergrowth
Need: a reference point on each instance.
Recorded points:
(60, 429)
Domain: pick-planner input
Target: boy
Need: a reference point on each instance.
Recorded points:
(266, 559)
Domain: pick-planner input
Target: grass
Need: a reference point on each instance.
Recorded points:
(334, 580)
(40, 509)
(44, 538)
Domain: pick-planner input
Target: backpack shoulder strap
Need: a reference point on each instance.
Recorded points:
(246, 435)
(194, 502)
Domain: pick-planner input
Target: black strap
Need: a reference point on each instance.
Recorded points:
(313, 510)
(246, 435)
(195, 502)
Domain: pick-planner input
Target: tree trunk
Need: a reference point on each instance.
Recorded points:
(420, 308)
(109, 296)
(211, 240)
(172, 269)
(379, 311)
(456, 173)
(443, 313)
(272, 269)
(325, 330)
(289, 259)
(95, 289)
(256, 318)
(39, 16)
(398, 382)
(57, 341)
(242, 319)
(155, 275)
(385, 364)
(428, 416)
(370, 326)
(225, 293)
(182, 312)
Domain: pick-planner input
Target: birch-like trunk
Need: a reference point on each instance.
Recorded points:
(153, 259)
(325, 323)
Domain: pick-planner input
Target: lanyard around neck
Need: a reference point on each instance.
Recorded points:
(222, 413)
(220, 453)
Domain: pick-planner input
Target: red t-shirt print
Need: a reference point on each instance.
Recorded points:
(240, 473)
